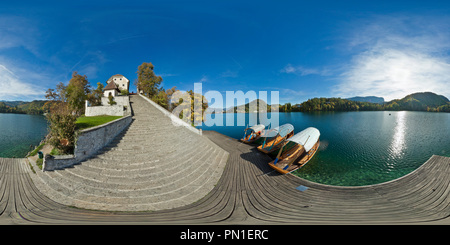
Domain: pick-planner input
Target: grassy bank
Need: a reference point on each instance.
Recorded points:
(88, 122)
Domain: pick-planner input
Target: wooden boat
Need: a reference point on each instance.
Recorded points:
(305, 146)
(274, 138)
(253, 133)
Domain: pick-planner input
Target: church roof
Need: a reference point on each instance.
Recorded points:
(111, 86)
(117, 75)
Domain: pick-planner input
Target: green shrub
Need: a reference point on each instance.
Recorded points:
(124, 92)
(39, 163)
(35, 151)
(111, 100)
(62, 129)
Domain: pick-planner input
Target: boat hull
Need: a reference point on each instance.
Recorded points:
(299, 161)
(250, 140)
(274, 144)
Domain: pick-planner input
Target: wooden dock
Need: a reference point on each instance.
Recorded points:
(250, 192)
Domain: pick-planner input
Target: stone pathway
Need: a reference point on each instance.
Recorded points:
(152, 165)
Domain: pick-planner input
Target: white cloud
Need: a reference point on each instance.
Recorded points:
(397, 57)
(13, 88)
(303, 71)
(394, 74)
(20, 79)
(204, 79)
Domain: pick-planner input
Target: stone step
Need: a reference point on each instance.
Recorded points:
(140, 160)
(139, 143)
(151, 165)
(147, 150)
(142, 171)
(119, 193)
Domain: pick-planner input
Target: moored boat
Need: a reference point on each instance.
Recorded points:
(253, 133)
(306, 143)
(274, 138)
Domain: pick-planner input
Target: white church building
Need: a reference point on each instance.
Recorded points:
(114, 85)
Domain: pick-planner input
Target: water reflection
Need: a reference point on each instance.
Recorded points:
(398, 139)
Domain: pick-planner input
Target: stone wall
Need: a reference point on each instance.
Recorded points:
(110, 110)
(122, 108)
(88, 142)
(123, 100)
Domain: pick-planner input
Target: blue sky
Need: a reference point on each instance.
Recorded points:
(303, 49)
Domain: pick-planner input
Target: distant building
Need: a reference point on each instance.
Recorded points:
(121, 82)
(111, 89)
(121, 107)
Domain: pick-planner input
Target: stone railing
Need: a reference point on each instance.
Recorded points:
(88, 142)
(176, 121)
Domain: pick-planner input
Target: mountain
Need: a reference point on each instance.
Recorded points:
(254, 105)
(335, 104)
(371, 99)
(425, 101)
(12, 103)
(33, 107)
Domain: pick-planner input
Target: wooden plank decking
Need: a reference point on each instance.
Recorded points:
(250, 192)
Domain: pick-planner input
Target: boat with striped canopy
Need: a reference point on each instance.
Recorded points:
(303, 146)
(274, 138)
(253, 133)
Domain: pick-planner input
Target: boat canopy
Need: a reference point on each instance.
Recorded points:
(282, 130)
(307, 138)
(257, 128)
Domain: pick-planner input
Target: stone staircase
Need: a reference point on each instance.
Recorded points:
(152, 165)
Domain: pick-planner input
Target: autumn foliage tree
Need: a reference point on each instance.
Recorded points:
(189, 106)
(147, 81)
(77, 93)
(95, 97)
(183, 103)
(68, 104)
(62, 128)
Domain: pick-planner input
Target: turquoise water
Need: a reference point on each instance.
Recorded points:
(19, 131)
(363, 148)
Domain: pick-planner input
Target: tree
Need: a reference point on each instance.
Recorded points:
(147, 81)
(59, 95)
(189, 106)
(198, 106)
(95, 97)
(169, 93)
(62, 127)
(124, 92)
(68, 104)
(77, 93)
(161, 99)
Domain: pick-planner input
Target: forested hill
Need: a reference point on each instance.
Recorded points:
(252, 106)
(335, 104)
(425, 101)
(33, 107)
(371, 99)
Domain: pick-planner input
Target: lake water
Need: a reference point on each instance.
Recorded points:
(357, 148)
(19, 131)
(364, 148)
